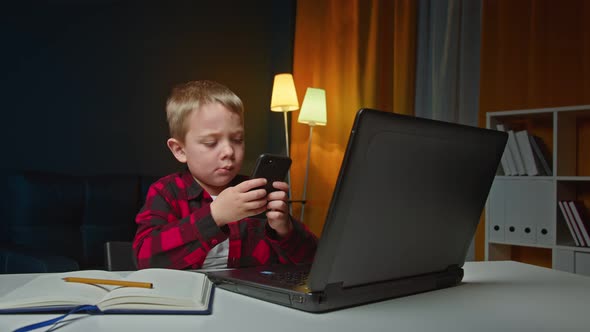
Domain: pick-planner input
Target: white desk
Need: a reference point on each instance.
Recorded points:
(495, 296)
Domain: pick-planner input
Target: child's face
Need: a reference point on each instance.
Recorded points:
(214, 146)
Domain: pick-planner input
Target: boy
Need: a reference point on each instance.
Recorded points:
(199, 218)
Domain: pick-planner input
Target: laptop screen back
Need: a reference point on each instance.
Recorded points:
(407, 200)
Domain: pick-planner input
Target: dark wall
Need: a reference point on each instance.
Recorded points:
(84, 83)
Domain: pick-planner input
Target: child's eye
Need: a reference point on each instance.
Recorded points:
(238, 140)
(209, 143)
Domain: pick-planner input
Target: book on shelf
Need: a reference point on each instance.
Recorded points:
(574, 224)
(507, 161)
(542, 154)
(518, 164)
(516, 154)
(526, 151)
(568, 222)
(172, 292)
(581, 219)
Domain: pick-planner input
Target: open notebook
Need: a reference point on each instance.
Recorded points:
(172, 292)
(406, 204)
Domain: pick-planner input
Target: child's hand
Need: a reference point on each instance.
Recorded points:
(278, 216)
(235, 203)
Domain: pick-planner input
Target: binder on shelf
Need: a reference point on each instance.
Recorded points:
(504, 162)
(574, 224)
(580, 218)
(542, 154)
(496, 211)
(568, 222)
(526, 151)
(541, 197)
(516, 153)
(507, 161)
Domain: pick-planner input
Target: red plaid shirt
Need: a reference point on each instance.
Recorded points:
(176, 230)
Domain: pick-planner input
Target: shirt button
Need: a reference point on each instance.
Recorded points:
(214, 242)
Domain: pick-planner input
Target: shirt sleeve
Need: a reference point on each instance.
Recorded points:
(298, 247)
(165, 239)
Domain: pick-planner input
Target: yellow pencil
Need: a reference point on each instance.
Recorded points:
(109, 282)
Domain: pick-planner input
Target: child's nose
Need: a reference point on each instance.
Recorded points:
(227, 149)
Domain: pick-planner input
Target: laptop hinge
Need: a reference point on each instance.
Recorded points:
(393, 288)
(331, 290)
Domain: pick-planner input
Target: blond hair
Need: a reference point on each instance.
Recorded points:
(187, 97)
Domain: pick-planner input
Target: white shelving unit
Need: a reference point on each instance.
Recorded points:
(522, 210)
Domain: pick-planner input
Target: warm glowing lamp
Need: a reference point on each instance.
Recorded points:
(313, 113)
(284, 99)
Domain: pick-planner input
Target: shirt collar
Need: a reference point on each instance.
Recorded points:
(193, 188)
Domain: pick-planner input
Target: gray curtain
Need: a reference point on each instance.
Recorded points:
(447, 77)
(447, 68)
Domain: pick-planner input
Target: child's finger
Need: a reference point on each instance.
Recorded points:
(277, 196)
(251, 184)
(277, 206)
(284, 186)
(257, 211)
(274, 215)
(256, 205)
(253, 195)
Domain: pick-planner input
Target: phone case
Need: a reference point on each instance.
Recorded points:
(273, 168)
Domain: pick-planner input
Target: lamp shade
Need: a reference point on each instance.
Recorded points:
(284, 95)
(313, 108)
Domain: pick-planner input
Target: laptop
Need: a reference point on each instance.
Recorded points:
(405, 208)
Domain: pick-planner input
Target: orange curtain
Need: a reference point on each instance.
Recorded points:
(535, 53)
(363, 54)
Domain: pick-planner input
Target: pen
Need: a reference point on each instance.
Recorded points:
(109, 282)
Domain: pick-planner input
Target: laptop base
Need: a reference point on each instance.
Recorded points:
(334, 296)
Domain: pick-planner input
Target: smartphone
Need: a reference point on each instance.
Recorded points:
(273, 167)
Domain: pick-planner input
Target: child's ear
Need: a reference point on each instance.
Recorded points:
(177, 149)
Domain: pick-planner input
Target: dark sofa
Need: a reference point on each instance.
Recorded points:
(55, 222)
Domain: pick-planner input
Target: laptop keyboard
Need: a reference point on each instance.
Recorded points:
(289, 278)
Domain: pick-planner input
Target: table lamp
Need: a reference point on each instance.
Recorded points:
(284, 99)
(313, 113)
